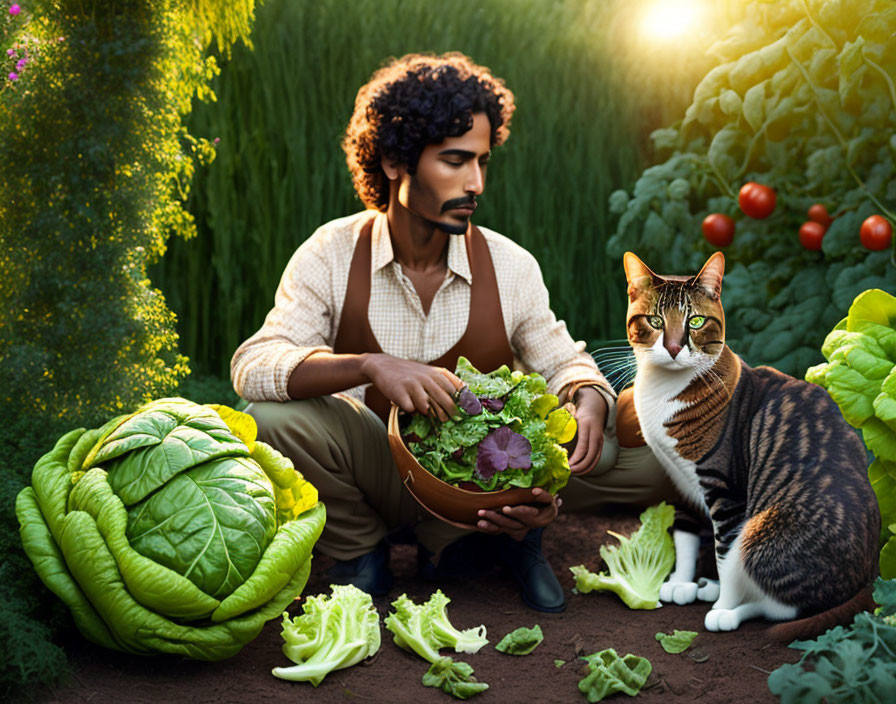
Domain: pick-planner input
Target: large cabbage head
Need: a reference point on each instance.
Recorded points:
(171, 529)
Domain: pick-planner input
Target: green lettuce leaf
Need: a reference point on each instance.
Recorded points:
(454, 678)
(608, 673)
(521, 641)
(677, 641)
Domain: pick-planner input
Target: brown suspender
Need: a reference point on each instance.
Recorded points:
(484, 342)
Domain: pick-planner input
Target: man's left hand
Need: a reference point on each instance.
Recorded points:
(516, 521)
(590, 411)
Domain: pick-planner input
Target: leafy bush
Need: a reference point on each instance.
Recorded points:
(803, 102)
(94, 165)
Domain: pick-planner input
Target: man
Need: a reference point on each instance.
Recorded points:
(374, 309)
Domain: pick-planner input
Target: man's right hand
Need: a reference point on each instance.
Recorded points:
(413, 386)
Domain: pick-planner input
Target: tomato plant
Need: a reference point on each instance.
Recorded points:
(718, 229)
(818, 213)
(811, 234)
(876, 233)
(755, 200)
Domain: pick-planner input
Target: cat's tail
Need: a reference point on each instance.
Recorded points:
(814, 626)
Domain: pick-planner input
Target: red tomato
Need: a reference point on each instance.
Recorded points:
(718, 229)
(811, 234)
(818, 213)
(757, 201)
(876, 233)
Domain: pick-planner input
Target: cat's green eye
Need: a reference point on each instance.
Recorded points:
(655, 321)
(696, 322)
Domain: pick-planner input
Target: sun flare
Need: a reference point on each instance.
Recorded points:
(672, 19)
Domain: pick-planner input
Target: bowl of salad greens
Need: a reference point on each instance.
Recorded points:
(507, 440)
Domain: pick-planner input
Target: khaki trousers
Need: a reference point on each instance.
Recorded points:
(341, 446)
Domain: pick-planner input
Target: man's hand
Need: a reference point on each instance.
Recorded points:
(413, 386)
(516, 521)
(590, 411)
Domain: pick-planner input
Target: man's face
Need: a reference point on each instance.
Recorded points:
(449, 176)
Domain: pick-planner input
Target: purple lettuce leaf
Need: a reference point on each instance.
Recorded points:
(469, 402)
(493, 404)
(500, 449)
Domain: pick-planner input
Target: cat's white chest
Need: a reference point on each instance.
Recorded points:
(655, 395)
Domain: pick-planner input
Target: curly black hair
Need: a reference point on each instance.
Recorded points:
(414, 101)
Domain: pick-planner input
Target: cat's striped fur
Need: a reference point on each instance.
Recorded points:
(767, 457)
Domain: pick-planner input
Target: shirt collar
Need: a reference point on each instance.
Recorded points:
(382, 253)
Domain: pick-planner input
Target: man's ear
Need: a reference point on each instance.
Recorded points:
(639, 276)
(710, 276)
(390, 168)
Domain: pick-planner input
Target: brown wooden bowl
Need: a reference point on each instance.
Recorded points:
(444, 501)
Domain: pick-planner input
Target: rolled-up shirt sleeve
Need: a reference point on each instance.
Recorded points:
(542, 343)
(299, 324)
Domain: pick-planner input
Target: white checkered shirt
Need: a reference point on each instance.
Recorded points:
(308, 306)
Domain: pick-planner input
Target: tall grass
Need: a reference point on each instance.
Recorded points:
(587, 95)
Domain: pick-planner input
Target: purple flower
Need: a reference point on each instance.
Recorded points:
(493, 404)
(467, 400)
(500, 449)
(10, 52)
(216, 140)
(14, 10)
(13, 76)
(21, 63)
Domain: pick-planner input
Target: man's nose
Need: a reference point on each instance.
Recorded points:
(475, 180)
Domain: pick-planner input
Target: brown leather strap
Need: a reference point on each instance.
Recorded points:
(484, 342)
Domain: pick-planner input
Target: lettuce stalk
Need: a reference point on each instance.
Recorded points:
(330, 635)
(637, 566)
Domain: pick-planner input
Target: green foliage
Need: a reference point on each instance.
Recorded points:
(860, 375)
(853, 664)
(587, 93)
(454, 678)
(637, 566)
(94, 165)
(804, 102)
(331, 634)
(608, 673)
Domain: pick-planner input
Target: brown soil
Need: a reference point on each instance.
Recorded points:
(719, 667)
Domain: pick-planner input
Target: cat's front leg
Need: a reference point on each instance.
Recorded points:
(680, 587)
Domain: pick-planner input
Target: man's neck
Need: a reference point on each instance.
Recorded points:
(417, 244)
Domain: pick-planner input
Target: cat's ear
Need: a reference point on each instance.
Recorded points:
(710, 276)
(639, 276)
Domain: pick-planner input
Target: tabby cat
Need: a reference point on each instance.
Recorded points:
(766, 457)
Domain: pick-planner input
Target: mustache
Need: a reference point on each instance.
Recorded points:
(465, 202)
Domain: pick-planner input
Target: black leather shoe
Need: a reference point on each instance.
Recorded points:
(540, 589)
(369, 573)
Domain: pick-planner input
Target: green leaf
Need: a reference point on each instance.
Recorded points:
(888, 559)
(454, 678)
(677, 641)
(210, 524)
(561, 425)
(521, 641)
(608, 673)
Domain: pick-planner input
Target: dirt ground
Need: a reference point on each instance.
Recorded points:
(727, 667)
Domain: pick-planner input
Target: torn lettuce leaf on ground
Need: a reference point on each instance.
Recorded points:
(637, 566)
(522, 641)
(454, 678)
(331, 634)
(677, 641)
(608, 673)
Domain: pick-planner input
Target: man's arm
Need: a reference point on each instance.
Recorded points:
(412, 386)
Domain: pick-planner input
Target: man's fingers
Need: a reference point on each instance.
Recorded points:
(443, 400)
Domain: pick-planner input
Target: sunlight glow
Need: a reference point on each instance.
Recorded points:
(672, 19)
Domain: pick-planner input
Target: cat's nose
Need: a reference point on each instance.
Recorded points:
(673, 348)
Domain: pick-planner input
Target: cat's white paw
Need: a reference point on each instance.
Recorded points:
(722, 620)
(679, 592)
(707, 589)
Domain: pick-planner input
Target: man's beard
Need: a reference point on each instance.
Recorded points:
(450, 205)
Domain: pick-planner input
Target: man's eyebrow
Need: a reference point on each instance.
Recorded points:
(462, 153)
